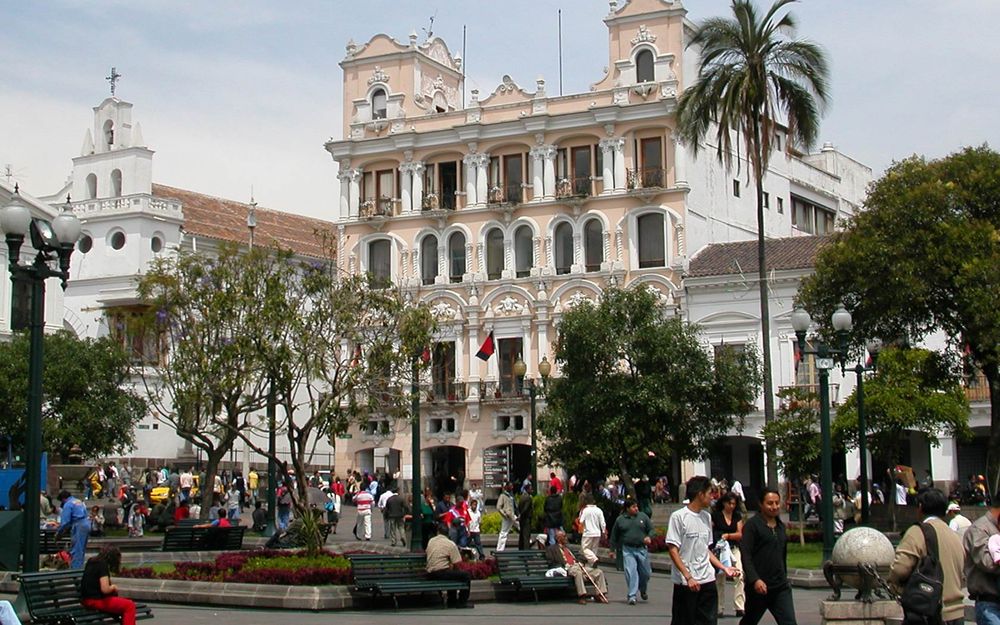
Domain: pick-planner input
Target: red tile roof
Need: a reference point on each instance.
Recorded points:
(722, 259)
(226, 220)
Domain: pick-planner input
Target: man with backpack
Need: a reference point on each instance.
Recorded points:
(928, 570)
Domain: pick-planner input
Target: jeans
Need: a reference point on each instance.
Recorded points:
(637, 569)
(987, 613)
(476, 541)
(551, 533)
(779, 602)
(695, 607)
(284, 515)
(396, 533)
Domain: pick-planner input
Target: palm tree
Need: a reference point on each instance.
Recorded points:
(753, 73)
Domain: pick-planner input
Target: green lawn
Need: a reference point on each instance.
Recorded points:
(808, 556)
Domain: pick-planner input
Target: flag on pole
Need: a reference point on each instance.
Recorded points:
(487, 348)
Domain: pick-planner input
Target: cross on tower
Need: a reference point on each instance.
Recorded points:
(113, 79)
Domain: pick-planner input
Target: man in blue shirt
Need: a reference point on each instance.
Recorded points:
(75, 521)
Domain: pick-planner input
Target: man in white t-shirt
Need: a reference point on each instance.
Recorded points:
(689, 536)
(384, 497)
(594, 528)
(364, 500)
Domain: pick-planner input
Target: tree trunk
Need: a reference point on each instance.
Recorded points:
(207, 490)
(765, 311)
(992, 374)
(802, 521)
(626, 481)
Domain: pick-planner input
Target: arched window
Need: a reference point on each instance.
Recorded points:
(116, 183)
(652, 241)
(593, 244)
(109, 134)
(378, 104)
(440, 104)
(456, 256)
(380, 259)
(429, 259)
(494, 254)
(91, 186)
(524, 258)
(644, 66)
(563, 248)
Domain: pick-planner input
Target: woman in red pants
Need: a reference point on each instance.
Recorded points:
(96, 590)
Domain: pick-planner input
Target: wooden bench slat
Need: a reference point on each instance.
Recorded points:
(57, 594)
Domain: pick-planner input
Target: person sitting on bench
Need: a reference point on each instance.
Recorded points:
(442, 560)
(96, 590)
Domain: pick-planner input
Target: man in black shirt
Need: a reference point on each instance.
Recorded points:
(764, 549)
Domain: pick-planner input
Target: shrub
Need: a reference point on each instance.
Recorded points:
(480, 569)
(265, 566)
(490, 523)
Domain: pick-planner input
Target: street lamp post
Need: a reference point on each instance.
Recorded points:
(58, 238)
(544, 369)
(416, 527)
(825, 357)
(874, 347)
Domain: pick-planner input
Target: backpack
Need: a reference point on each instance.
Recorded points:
(921, 598)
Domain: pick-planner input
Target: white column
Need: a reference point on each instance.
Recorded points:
(355, 192)
(509, 262)
(470, 260)
(482, 178)
(619, 152)
(608, 164)
(680, 164)
(577, 254)
(470, 179)
(345, 194)
(418, 187)
(442, 277)
(537, 173)
(405, 182)
(474, 363)
(549, 154)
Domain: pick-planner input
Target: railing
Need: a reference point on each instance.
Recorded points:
(490, 390)
(814, 389)
(977, 389)
(125, 203)
(648, 178)
(508, 194)
(574, 187)
(448, 201)
(371, 208)
(431, 202)
(442, 391)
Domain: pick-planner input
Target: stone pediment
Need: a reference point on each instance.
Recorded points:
(638, 7)
(508, 92)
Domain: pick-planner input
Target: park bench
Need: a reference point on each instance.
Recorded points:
(525, 570)
(54, 596)
(48, 544)
(181, 538)
(394, 575)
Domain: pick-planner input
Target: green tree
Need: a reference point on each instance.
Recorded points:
(205, 309)
(923, 257)
(634, 382)
(752, 74)
(87, 400)
(795, 432)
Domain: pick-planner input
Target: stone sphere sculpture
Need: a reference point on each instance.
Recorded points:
(856, 550)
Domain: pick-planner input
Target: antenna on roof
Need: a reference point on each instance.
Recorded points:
(252, 216)
(429, 31)
(560, 52)
(465, 64)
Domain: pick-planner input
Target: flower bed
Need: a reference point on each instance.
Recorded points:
(271, 566)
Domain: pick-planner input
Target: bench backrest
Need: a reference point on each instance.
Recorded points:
(373, 568)
(55, 590)
(48, 543)
(203, 538)
(518, 563)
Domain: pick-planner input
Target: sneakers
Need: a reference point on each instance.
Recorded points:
(631, 600)
(645, 597)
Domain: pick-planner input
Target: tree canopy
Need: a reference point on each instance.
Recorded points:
(796, 434)
(924, 256)
(635, 382)
(754, 78)
(87, 396)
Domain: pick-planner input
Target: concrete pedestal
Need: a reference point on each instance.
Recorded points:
(857, 613)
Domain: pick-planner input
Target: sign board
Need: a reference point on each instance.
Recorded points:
(496, 466)
(345, 436)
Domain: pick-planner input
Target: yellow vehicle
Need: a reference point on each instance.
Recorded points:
(161, 494)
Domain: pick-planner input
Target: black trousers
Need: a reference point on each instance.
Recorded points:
(778, 602)
(524, 535)
(695, 608)
(453, 576)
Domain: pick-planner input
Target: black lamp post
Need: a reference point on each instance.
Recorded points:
(825, 357)
(53, 241)
(544, 369)
(874, 347)
(416, 521)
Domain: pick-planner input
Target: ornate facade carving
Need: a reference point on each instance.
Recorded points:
(576, 299)
(643, 36)
(509, 306)
(442, 311)
(378, 76)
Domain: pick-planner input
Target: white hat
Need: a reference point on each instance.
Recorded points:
(954, 507)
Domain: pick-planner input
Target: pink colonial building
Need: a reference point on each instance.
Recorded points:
(506, 213)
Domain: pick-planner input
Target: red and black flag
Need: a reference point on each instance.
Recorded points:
(487, 348)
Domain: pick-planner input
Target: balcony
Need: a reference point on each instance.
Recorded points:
(443, 392)
(507, 195)
(434, 201)
(570, 188)
(977, 389)
(376, 209)
(491, 391)
(648, 178)
(814, 390)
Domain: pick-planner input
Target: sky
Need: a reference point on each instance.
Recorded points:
(235, 95)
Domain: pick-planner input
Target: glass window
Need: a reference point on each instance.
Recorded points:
(142, 344)
(443, 370)
(456, 256)
(581, 170)
(523, 254)
(85, 244)
(513, 178)
(118, 240)
(652, 241)
(429, 259)
(563, 248)
(593, 241)
(652, 162)
(494, 254)
(378, 104)
(644, 66)
(509, 351)
(380, 259)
